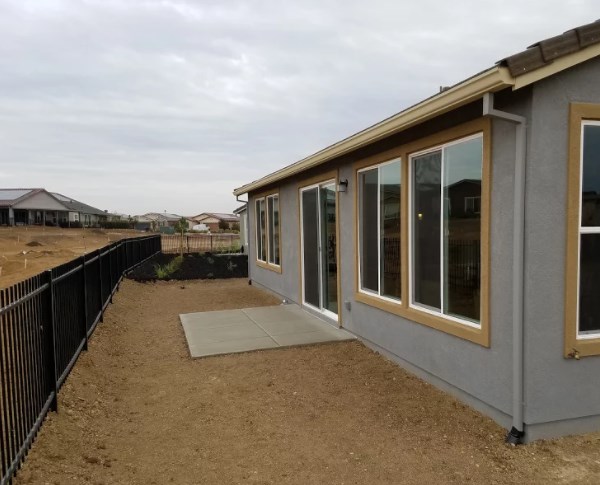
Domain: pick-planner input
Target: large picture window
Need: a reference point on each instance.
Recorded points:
(446, 230)
(268, 247)
(379, 230)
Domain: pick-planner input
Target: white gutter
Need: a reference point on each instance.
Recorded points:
(515, 435)
(472, 89)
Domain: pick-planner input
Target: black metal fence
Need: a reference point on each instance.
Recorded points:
(201, 243)
(45, 323)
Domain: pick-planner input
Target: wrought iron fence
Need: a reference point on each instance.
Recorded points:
(201, 243)
(45, 323)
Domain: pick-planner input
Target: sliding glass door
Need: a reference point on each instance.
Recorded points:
(319, 247)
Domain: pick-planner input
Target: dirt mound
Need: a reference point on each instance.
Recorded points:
(33, 244)
(195, 266)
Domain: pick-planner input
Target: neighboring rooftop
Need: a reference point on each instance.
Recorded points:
(220, 215)
(75, 205)
(10, 196)
(153, 216)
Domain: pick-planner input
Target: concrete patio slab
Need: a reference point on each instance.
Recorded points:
(232, 331)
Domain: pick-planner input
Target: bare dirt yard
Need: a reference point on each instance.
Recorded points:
(26, 251)
(138, 410)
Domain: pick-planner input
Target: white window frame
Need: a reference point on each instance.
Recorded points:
(264, 199)
(412, 304)
(583, 230)
(268, 221)
(473, 199)
(366, 291)
(257, 226)
(321, 308)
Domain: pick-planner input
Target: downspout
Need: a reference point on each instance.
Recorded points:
(515, 435)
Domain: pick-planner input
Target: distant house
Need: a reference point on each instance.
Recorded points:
(40, 207)
(142, 223)
(87, 215)
(212, 219)
(242, 213)
(158, 220)
(116, 216)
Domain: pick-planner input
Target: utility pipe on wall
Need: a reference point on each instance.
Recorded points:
(515, 435)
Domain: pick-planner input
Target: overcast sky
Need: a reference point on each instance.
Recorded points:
(153, 105)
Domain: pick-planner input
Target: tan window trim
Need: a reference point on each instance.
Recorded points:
(575, 347)
(277, 268)
(479, 335)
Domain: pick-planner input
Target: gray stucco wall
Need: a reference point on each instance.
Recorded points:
(555, 389)
(287, 283)
(476, 374)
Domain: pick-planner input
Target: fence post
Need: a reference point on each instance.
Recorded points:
(111, 271)
(49, 343)
(100, 285)
(85, 306)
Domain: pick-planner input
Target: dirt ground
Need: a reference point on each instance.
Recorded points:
(26, 251)
(138, 410)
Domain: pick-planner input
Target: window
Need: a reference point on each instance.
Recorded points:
(268, 247)
(445, 240)
(582, 306)
(589, 230)
(422, 250)
(379, 230)
(261, 243)
(273, 212)
(472, 205)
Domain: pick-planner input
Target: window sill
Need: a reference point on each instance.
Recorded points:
(478, 336)
(269, 266)
(582, 348)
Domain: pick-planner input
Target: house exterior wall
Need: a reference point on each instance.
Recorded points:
(478, 375)
(556, 389)
(561, 395)
(40, 201)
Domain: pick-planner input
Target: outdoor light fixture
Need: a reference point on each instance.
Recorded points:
(342, 185)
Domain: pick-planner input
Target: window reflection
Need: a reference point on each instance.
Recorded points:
(389, 186)
(379, 229)
(462, 228)
(447, 229)
(589, 252)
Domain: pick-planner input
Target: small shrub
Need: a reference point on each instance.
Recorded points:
(234, 248)
(166, 270)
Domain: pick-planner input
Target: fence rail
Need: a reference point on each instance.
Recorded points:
(200, 243)
(45, 323)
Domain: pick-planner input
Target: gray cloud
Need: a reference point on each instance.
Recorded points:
(139, 105)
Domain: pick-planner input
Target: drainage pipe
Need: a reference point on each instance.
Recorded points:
(515, 435)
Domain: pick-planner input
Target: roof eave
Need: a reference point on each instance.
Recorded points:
(557, 66)
(491, 80)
